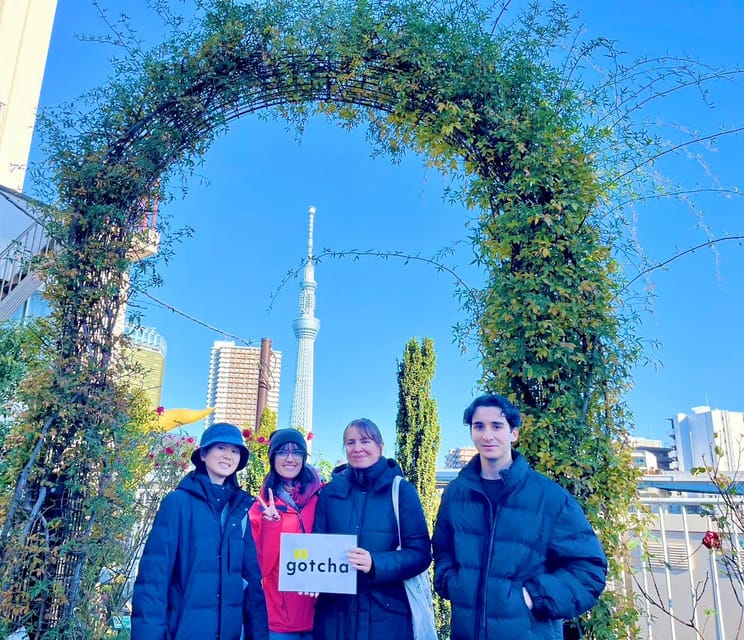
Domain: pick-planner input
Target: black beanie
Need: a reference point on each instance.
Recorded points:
(286, 436)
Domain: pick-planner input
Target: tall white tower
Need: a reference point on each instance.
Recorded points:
(305, 329)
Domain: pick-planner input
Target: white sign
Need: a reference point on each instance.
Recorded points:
(316, 562)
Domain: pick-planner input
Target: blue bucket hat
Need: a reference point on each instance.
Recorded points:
(225, 433)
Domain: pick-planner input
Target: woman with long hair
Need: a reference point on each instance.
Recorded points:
(285, 504)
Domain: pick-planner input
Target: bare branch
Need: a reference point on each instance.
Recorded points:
(677, 147)
(373, 253)
(664, 263)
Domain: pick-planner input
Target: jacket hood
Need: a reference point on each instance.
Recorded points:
(379, 475)
(193, 483)
(389, 464)
(512, 477)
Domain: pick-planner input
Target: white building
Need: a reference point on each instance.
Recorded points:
(652, 456)
(458, 458)
(708, 437)
(25, 32)
(233, 386)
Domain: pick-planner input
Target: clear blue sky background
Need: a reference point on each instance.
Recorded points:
(249, 204)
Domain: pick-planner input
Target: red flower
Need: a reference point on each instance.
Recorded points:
(160, 410)
(170, 451)
(712, 540)
(151, 455)
(310, 435)
(261, 440)
(190, 440)
(248, 434)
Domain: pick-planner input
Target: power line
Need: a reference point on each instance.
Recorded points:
(188, 316)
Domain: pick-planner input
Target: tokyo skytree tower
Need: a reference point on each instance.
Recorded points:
(306, 328)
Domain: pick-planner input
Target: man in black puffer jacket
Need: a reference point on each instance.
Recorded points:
(513, 551)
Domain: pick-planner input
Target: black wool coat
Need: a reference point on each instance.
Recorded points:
(360, 502)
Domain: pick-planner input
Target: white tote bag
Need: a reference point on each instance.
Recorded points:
(418, 588)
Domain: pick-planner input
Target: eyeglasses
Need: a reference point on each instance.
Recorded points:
(285, 453)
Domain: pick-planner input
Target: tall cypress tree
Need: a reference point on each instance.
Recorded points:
(417, 439)
(417, 422)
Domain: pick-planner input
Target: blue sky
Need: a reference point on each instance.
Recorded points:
(248, 206)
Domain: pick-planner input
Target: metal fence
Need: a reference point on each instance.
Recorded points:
(684, 590)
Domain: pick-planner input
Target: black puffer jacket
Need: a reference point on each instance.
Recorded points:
(539, 539)
(199, 575)
(360, 502)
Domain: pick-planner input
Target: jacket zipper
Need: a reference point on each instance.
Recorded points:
(484, 584)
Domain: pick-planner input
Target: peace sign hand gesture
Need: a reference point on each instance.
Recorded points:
(270, 512)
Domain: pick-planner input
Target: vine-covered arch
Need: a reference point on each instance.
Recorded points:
(477, 100)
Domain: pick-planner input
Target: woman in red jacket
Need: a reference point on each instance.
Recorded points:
(286, 504)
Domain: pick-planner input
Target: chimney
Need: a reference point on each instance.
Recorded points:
(264, 379)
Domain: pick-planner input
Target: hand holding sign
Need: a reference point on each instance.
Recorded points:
(360, 559)
(315, 562)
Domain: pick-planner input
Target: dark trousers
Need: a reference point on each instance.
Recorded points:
(572, 630)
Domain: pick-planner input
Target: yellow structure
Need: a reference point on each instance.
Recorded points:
(170, 419)
(147, 348)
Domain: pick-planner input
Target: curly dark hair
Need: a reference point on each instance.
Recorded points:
(511, 413)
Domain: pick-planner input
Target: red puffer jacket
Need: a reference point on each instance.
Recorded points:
(288, 612)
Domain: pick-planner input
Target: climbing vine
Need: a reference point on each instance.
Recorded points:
(481, 100)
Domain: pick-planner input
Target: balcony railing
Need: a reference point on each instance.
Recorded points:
(16, 260)
(688, 584)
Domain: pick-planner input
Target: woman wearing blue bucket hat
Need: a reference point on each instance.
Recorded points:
(199, 576)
